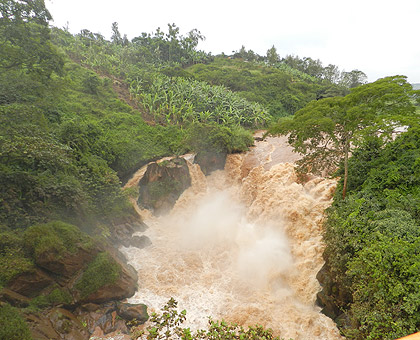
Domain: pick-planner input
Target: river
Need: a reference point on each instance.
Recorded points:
(243, 244)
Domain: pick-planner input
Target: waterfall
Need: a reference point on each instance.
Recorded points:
(243, 244)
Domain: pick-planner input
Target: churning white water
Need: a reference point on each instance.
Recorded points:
(243, 245)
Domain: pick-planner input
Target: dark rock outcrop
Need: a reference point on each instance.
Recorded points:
(210, 161)
(333, 298)
(140, 242)
(14, 298)
(122, 234)
(162, 184)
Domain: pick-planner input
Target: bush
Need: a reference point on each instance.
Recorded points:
(373, 240)
(56, 237)
(13, 259)
(219, 139)
(13, 326)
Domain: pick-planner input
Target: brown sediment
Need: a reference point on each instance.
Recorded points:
(243, 244)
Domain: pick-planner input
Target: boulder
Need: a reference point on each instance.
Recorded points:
(67, 264)
(140, 242)
(133, 312)
(210, 161)
(162, 184)
(30, 283)
(121, 234)
(15, 299)
(123, 287)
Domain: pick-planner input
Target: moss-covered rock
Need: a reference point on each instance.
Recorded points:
(60, 248)
(106, 278)
(103, 270)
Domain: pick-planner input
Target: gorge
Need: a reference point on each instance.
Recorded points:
(243, 244)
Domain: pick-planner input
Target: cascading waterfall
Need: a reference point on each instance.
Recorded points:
(243, 244)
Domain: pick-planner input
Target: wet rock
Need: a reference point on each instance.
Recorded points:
(162, 184)
(210, 161)
(15, 299)
(122, 233)
(30, 283)
(140, 242)
(131, 312)
(67, 264)
(41, 328)
(327, 304)
(107, 322)
(333, 298)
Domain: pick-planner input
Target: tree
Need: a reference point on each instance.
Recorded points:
(272, 56)
(326, 131)
(116, 35)
(25, 38)
(353, 78)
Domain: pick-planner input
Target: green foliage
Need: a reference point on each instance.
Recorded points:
(13, 257)
(56, 297)
(215, 138)
(55, 237)
(102, 271)
(279, 87)
(162, 188)
(25, 39)
(13, 326)
(181, 100)
(328, 130)
(167, 325)
(373, 239)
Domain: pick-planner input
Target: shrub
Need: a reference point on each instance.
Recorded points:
(13, 326)
(57, 237)
(13, 259)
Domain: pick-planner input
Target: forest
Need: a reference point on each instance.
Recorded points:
(79, 114)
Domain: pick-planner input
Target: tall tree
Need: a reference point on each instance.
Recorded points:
(116, 35)
(353, 78)
(272, 56)
(25, 38)
(326, 131)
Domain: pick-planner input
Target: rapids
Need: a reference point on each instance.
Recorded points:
(243, 244)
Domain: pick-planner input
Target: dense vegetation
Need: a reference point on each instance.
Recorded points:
(373, 239)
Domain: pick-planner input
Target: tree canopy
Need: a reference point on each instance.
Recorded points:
(327, 131)
(25, 38)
